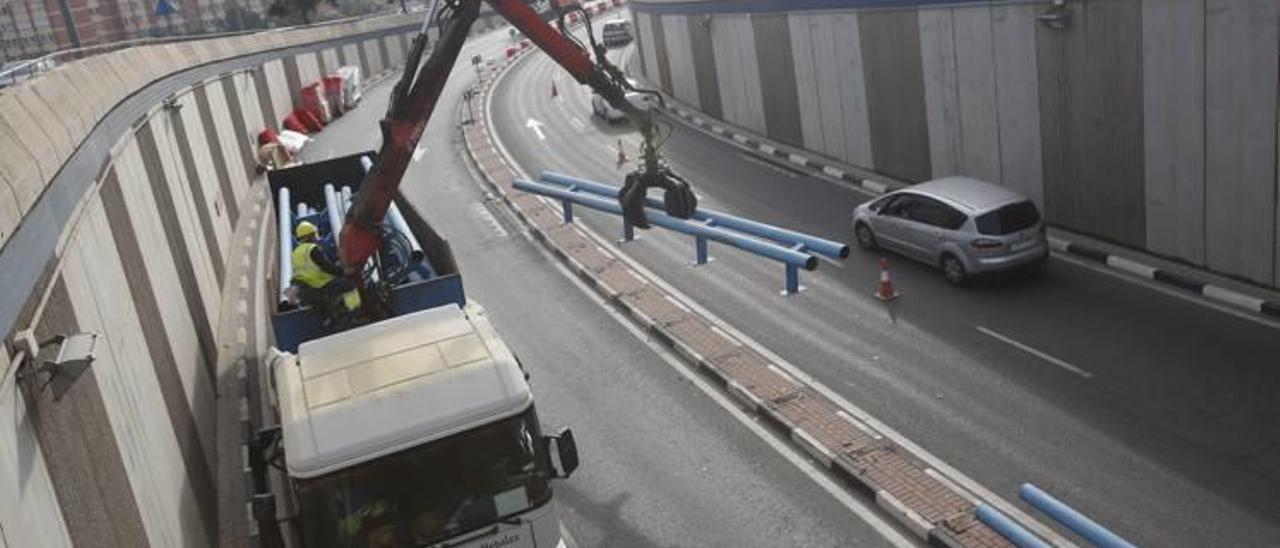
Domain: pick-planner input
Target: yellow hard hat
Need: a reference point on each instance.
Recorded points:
(304, 229)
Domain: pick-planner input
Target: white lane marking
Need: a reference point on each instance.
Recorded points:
(489, 220)
(1175, 293)
(536, 126)
(1132, 267)
(1034, 352)
(418, 152)
(577, 124)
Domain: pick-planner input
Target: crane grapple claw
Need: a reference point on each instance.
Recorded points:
(678, 200)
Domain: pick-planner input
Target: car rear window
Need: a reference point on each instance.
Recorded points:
(1008, 219)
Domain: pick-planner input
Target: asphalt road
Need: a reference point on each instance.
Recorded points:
(1172, 439)
(662, 464)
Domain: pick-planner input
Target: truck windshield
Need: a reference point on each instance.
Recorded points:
(432, 492)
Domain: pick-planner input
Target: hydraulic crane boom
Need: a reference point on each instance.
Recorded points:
(414, 99)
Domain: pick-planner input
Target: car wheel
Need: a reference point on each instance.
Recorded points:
(953, 270)
(866, 239)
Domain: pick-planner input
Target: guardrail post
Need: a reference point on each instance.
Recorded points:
(700, 250)
(793, 280)
(567, 209)
(628, 232)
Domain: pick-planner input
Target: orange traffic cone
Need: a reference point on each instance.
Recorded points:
(554, 92)
(886, 291)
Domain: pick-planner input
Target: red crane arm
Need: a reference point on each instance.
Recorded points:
(414, 99)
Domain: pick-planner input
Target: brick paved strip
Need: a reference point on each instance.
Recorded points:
(867, 462)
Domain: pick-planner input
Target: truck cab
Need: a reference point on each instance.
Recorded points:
(417, 429)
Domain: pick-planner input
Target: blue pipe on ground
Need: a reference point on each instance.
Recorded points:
(1068, 516)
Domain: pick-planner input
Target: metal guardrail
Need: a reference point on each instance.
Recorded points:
(34, 67)
(792, 252)
(1077, 522)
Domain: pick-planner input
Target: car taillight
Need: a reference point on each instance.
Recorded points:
(985, 243)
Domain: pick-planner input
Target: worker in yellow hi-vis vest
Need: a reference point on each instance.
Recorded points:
(316, 277)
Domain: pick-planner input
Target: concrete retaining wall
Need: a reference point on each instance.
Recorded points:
(123, 178)
(1148, 123)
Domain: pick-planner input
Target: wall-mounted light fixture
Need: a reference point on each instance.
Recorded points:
(68, 356)
(1057, 16)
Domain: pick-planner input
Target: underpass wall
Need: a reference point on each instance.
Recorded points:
(1149, 124)
(125, 177)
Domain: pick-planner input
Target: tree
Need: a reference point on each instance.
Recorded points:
(288, 9)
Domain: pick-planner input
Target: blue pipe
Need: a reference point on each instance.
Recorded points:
(822, 246)
(1068, 516)
(658, 218)
(1009, 529)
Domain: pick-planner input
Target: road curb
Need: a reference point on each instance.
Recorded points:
(1177, 280)
(871, 185)
(863, 460)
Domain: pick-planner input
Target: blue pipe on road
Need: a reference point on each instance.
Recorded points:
(1068, 516)
(1009, 529)
(773, 251)
(822, 246)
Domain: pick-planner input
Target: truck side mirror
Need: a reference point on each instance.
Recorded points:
(566, 449)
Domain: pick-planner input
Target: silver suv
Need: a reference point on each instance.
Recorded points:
(963, 226)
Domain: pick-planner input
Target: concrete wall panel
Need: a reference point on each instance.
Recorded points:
(308, 68)
(895, 92)
(374, 53)
(704, 65)
(162, 273)
(130, 393)
(1091, 120)
(777, 78)
(277, 90)
(81, 450)
(227, 159)
(977, 94)
(185, 225)
(351, 55)
(660, 54)
(1240, 134)
(804, 34)
(243, 107)
(1174, 125)
(293, 77)
(684, 76)
(395, 50)
(733, 40)
(203, 177)
(941, 91)
(34, 139)
(29, 511)
(1017, 90)
(330, 58)
(648, 51)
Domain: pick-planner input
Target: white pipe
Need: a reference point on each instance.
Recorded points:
(397, 222)
(286, 242)
(331, 209)
(302, 209)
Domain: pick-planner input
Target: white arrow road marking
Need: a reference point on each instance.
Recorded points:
(536, 126)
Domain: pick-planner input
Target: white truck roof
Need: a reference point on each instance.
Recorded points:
(360, 394)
